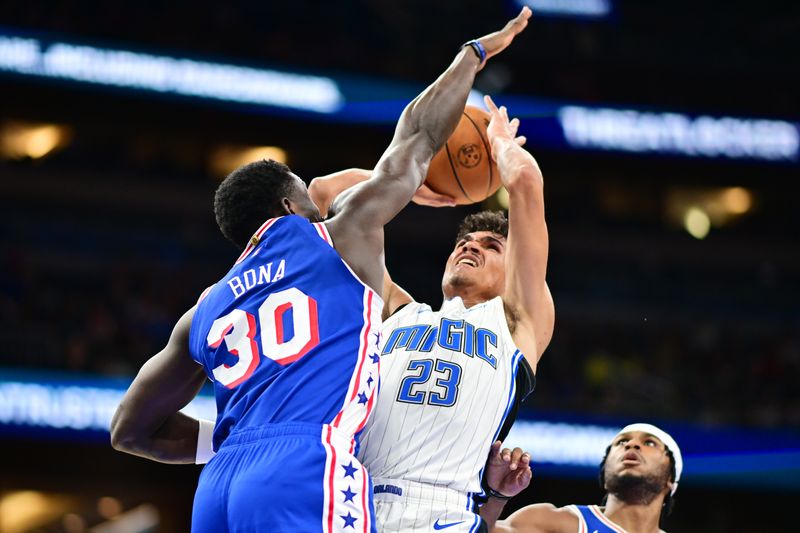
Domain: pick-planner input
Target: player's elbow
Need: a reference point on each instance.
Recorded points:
(123, 437)
(320, 195)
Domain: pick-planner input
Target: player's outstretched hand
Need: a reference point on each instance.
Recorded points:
(508, 471)
(500, 127)
(426, 196)
(496, 42)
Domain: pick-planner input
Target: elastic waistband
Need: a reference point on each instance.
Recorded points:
(291, 429)
(394, 489)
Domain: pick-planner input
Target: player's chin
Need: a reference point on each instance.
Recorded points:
(630, 472)
(460, 276)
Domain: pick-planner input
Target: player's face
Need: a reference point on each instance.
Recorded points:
(300, 201)
(477, 262)
(639, 455)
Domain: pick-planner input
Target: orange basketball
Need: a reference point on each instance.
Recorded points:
(463, 168)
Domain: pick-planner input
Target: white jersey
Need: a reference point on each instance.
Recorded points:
(448, 384)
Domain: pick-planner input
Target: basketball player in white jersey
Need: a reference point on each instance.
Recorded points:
(451, 380)
(640, 474)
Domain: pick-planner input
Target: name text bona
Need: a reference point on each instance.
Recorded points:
(255, 277)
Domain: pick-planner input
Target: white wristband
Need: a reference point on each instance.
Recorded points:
(205, 444)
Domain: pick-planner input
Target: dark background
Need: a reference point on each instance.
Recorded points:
(104, 244)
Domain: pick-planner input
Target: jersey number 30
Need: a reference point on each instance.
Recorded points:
(238, 330)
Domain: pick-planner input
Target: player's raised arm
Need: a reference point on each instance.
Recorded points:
(424, 126)
(147, 422)
(527, 296)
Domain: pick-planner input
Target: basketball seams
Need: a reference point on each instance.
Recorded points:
(488, 152)
(455, 174)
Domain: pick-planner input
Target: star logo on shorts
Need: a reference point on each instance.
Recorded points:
(375, 358)
(348, 495)
(349, 520)
(349, 470)
(362, 398)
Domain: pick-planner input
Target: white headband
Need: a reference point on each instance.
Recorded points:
(668, 441)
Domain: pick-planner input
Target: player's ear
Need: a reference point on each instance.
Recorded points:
(288, 206)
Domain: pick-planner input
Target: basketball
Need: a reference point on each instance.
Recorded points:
(464, 168)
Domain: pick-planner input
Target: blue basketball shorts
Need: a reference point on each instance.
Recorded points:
(284, 478)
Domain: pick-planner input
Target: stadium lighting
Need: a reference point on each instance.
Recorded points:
(737, 200)
(667, 133)
(225, 159)
(21, 140)
(569, 8)
(108, 507)
(697, 223)
(501, 197)
(164, 74)
(26, 510)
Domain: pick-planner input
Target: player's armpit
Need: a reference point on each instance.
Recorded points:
(147, 422)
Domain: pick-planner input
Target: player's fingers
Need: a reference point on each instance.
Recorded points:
(525, 476)
(525, 459)
(490, 104)
(495, 449)
(515, 458)
(506, 455)
(521, 140)
(518, 23)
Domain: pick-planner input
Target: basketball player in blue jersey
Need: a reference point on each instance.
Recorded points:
(451, 379)
(289, 336)
(640, 474)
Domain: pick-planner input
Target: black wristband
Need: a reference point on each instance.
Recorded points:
(494, 494)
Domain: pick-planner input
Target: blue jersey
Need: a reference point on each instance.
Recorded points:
(289, 335)
(592, 520)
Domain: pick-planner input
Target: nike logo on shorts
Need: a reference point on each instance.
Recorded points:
(437, 526)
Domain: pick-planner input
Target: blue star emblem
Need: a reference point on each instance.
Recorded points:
(377, 339)
(362, 398)
(370, 380)
(349, 470)
(375, 358)
(348, 495)
(349, 520)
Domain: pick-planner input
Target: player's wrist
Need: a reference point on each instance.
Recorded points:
(478, 49)
(498, 495)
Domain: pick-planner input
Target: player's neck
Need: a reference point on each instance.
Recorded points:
(469, 296)
(634, 517)
(468, 300)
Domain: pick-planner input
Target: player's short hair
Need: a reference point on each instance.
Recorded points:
(494, 221)
(250, 195)
(669, 503)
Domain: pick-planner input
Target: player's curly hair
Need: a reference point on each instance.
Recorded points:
(494, 221)
(250, 195)
(669, 503)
